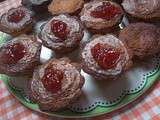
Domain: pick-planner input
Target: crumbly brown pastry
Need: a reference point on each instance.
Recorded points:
(62, 33)
(20, 55)
(148, 10)
(105, 57)
(56, 84)
(142, 38)
(65, 6)
(17, 21)
(101, 16)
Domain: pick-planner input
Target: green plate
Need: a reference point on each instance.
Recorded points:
(95, 112)
(98, 110)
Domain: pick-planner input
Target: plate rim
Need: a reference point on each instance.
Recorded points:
(150, 82)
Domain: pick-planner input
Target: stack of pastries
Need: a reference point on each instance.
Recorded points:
(105, 56)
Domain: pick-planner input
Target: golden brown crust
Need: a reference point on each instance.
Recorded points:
(15, 31)
(104, 26)
(142, 38)
(67, 95)
(31, 59)
(100, 76)
(147, 10)
(65, 6)
(73, 38)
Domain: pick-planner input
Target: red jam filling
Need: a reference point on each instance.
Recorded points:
(106, 58)
(105, 11)
(52, 79)
(13, 53)
(59, 29)
(16, 16)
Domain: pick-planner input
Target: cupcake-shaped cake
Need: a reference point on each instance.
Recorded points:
(142, 38)
(56, 84)
(148, 10)
(17, 21)
(65, 6)
(20, 55)
(39, 6)
(62, 33)
(105, 57)
(101, 16)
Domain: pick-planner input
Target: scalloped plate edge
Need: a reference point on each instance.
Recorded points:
(96, 112)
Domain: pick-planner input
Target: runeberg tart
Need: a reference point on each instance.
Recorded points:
(142, 38)
(56, 84)
(105, 57)
(62, 33)
(140, 10)
(20, 55)
(65, 6)
(101, 16)
(17, 21)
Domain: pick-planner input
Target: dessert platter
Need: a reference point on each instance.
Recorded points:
(80, 58)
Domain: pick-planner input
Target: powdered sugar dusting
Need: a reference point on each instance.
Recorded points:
(141, 6)
(90, 7)
(71, 80)
(112, 41)
(11, 25)
(49, 37)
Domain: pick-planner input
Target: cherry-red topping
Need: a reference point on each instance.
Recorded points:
(52, 79)
(13, 53)
(105, 11)
(59, 29)
(105, 57)
(16, 16)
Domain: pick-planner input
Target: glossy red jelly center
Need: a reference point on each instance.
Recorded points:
(16, 16)
(59, 29)
(105, 11)
(52, 79)
(105, 57)
(13, 53)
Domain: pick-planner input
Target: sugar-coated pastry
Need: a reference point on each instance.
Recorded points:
(148, 10)
(101, 16)
(105, 57)
(142, 38)
(65, 6)
(17, 21)
(20, 55)
(62, 33)
(56, 84)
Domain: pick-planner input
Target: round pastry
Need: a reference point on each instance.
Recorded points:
(65, 6)
(39, 6)
(142, 38)
(148, 10)
(101, 16)
(56, 84)
(20, 55)
(62, 33)
(105, 57)
(17, 21)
